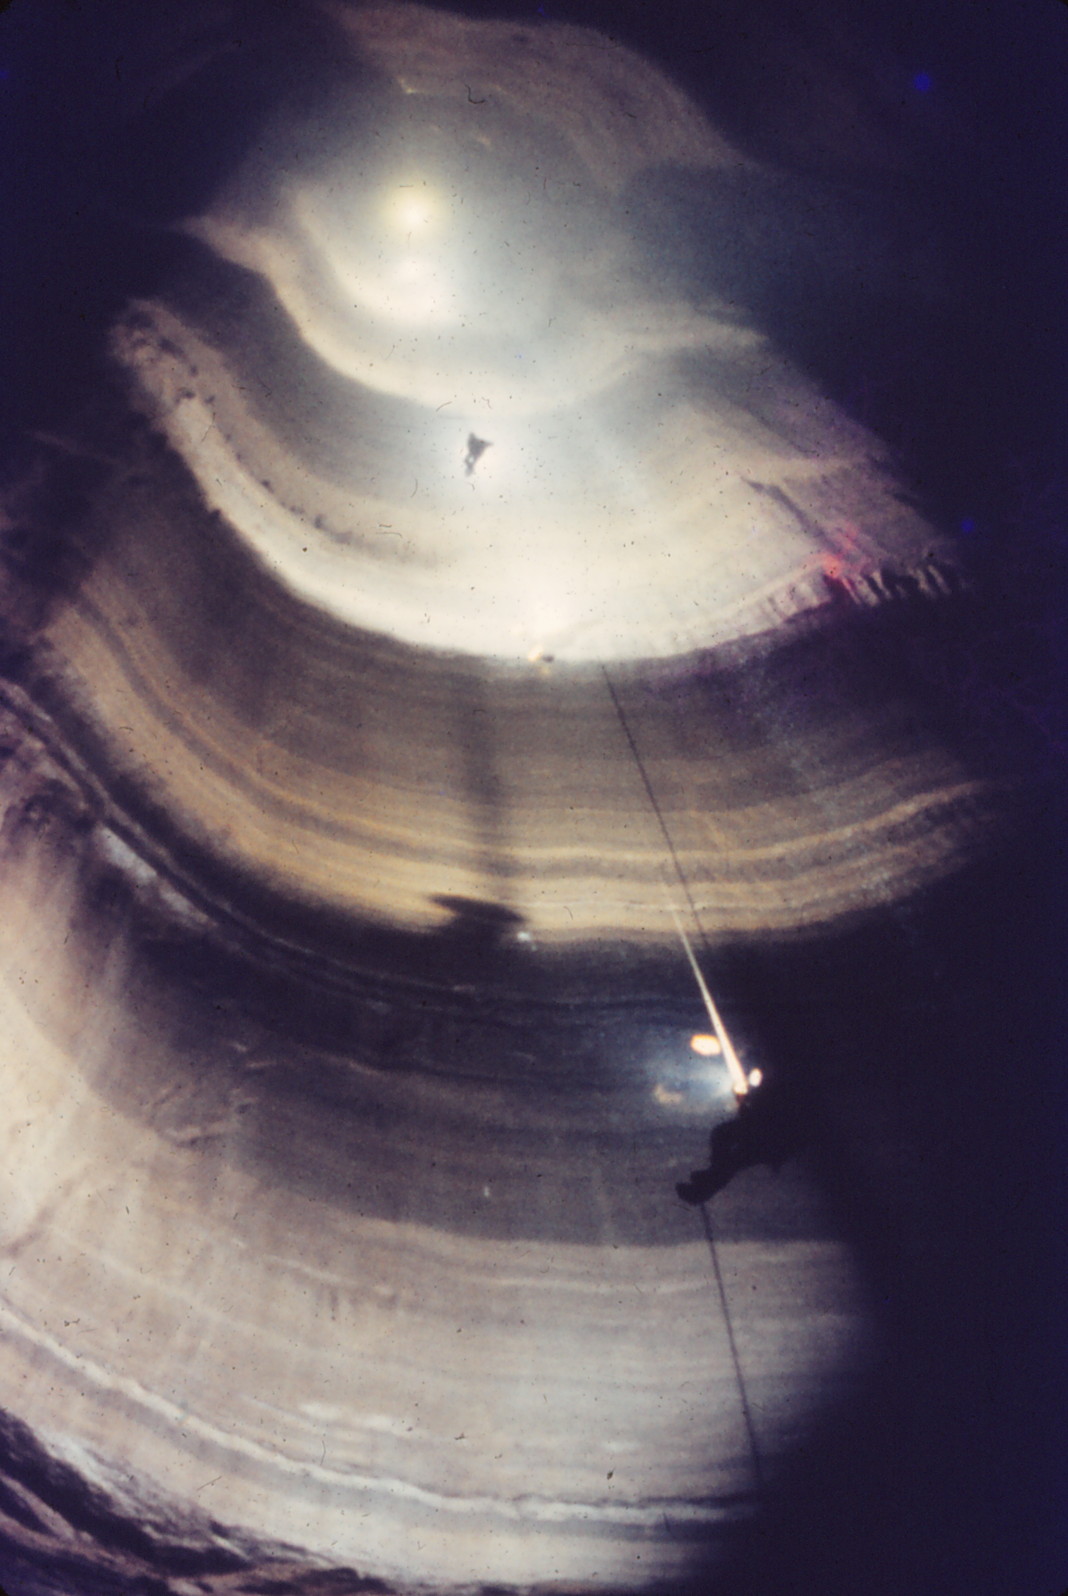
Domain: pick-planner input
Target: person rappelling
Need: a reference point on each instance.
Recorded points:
(476, 448)
(766, 1127)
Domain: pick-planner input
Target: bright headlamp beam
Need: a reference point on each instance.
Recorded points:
(739, 1080)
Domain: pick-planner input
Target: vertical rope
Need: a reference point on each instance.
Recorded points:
(739, 1082)
(750, 1429)
(651, 794)
(739, 1079)
(747, 1415)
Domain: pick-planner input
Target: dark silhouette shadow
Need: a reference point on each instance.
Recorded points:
(476, 448)
(480, 936)
(769, 1127)
(477, 926)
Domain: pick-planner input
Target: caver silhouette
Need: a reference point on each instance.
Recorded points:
(768, 1127)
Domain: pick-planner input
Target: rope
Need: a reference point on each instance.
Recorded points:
(750, 1428)
(652, 795)
(739, 1081)
(741, 1084)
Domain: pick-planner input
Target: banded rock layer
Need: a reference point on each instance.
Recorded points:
(443, 603)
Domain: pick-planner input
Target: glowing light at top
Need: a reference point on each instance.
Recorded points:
(461, 259)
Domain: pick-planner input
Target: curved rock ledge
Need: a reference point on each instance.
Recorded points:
(270, 749)
(395, 1316)
(344, 1025)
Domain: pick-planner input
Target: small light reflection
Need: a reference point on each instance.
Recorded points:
(681, 1080)
(705, 1044)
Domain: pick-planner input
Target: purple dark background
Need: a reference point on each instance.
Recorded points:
(913, 260)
